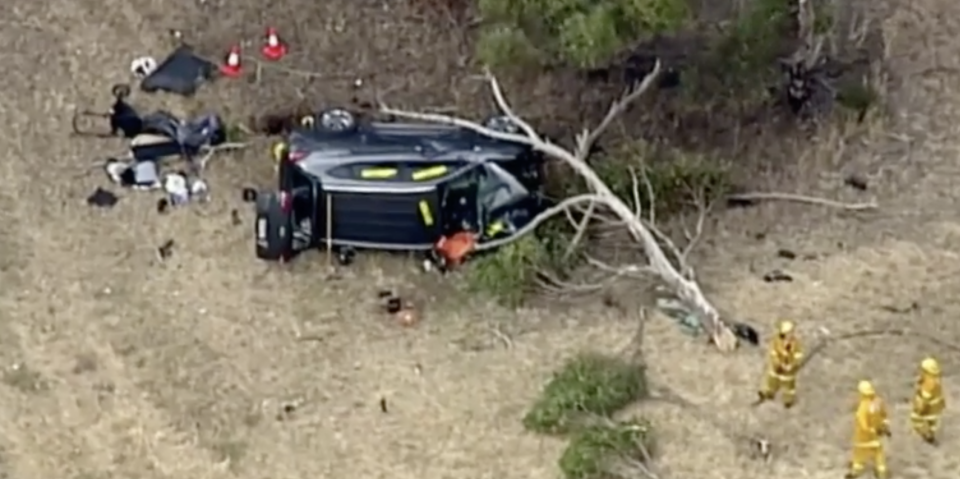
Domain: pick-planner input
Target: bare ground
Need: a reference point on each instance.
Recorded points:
(114, 366)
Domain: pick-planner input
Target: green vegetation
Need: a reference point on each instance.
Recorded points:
(588, 386)
(675, 179)
(595, 451)
(859, 98)
(582, 33)
(580, 401)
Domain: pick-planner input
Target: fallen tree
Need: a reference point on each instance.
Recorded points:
(665, 260)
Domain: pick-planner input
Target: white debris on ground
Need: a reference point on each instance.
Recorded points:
(143, 66)
(182, 190)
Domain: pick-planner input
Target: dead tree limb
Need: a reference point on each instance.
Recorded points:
(683, 285)
(811, 200)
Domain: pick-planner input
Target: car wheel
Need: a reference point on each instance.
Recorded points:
(502, 124)
(337, 120)
(273, 229)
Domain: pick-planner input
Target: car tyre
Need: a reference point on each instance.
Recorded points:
(273, 228)
(336, 120)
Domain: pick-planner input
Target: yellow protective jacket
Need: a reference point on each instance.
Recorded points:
(929, 400)
(785, 355)
(871, 423)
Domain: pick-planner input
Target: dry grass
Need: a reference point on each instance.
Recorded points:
(192, 368)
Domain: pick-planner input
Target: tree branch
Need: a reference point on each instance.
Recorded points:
(580, 231)
(539, 220)
(588, 138)
(646, 234)
(812, 200)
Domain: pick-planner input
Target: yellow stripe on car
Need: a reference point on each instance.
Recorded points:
(425, 213)
(378, 173)
(429, 173)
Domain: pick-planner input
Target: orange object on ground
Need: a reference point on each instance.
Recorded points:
(273, 48)
(456, 247)
(231, 66)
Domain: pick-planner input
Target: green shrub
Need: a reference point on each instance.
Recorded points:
(508, 273)
(594, 451)
(582, 33)
(675, 179)
(858, 97)
(589, 385)
(501, 47)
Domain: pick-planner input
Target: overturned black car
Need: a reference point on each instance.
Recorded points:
(348, 184)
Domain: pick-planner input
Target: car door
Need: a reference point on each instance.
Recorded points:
(303, 194)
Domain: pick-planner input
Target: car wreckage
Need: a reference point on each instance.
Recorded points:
(347, 183)
(153, 138)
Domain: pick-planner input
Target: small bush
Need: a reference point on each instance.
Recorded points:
(587, 386)
(502, 47)
(675, 179)
(595, 451)
(580, 33)
(857, 97)
(508, 273)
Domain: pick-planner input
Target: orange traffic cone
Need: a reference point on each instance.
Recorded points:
(273, 48)
(231, 66)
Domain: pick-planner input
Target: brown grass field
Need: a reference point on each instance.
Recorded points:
(114, 366)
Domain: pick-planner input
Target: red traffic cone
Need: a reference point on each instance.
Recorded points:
(231, 66)
(273, 48)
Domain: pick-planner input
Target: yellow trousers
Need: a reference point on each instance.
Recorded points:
(785, 384)
(866, 454)
(925, 425)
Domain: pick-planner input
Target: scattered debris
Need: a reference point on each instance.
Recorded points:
(122, 117)
(235, 217)
(402, 311)
(391, 303)
(777, 276)
(688, 321)
(182, 73)
(786, 254)
(102, 198)
(132, 174)
(165, 251)
(177, 188)
(856, 182)
(346, 255)
(760, 449)
(383, 405)
(407, 316)
(249, 195)
(142, 67)
(288, 408)
(747, 333)
(163, 205)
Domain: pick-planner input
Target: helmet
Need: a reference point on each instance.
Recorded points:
(930, 366)
(865, 388)
(785, 327)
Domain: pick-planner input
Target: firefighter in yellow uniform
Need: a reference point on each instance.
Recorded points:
(785, 357)
(928, 402)
(870, 429)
